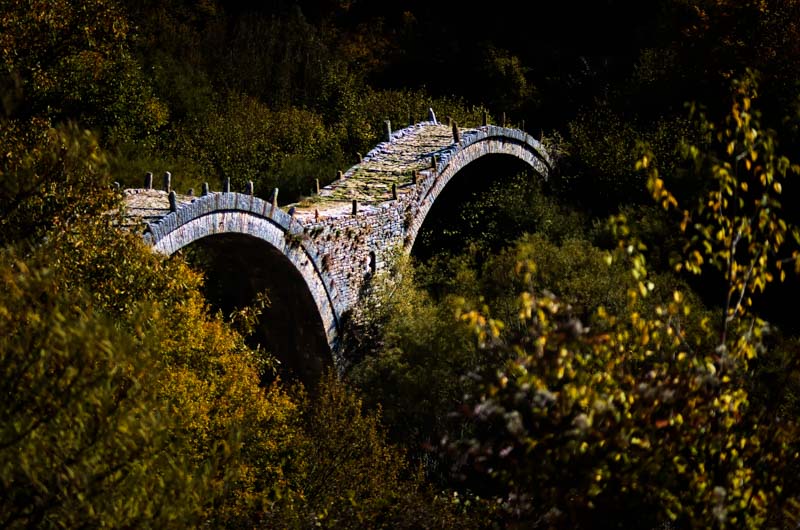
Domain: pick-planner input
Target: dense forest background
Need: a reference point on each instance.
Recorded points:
(616, 347)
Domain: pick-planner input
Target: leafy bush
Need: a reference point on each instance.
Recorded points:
(645, 417)
(85, 437)
(49, 176)
(246, 140)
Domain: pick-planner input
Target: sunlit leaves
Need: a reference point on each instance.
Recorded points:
(85, 438)
(737, 226)
(646, 413)
(49, 177)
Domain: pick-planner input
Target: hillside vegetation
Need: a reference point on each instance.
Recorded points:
(616, 347)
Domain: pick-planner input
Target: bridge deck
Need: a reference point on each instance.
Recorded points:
(368, 182)
(149, 206)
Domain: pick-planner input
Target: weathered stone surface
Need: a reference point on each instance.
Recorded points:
(335, 250)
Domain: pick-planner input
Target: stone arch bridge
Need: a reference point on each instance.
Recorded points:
(315, 257)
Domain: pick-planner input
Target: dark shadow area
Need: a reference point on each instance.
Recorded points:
(237, 268)
(470, 209)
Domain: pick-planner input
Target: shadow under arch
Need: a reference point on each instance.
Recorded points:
(237, 268)
(459, 211)
(271, 238)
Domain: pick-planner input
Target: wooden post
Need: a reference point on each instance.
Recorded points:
(167, 181)
(275, 198)
(432, 116)
(226, 186)
(355, 207)
(249, 188)
(316, 182)
(485, 118)
(388, 131)
(456, 132)
(414, 176)
(148, 181)
(206, 189)
(394, 191)
(173, 202)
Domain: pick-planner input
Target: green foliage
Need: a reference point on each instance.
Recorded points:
(74, 62)
(603, 145)
(239, 437)
(413, 358)
(85, 436)
(283, 61)
(49, 176)
(131, 162)
(245, 140)
(490, 212)
(505, 79)
(354, 477)
(360, 112)
(645, 418)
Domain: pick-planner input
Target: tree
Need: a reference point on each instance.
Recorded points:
(85, 437)
(644, 417)
(241, 439)
(129, 404)
(73, 62)
(49, 176)
(354, 476)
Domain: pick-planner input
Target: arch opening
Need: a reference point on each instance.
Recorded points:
(473, 207)
(238, 267)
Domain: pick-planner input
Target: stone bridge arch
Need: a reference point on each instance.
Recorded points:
(340, 237)
(489, 141)
(379, 204)
(218, 214)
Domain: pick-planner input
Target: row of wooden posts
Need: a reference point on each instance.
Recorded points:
(249, 189)
(226, 188)
(173, 200)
